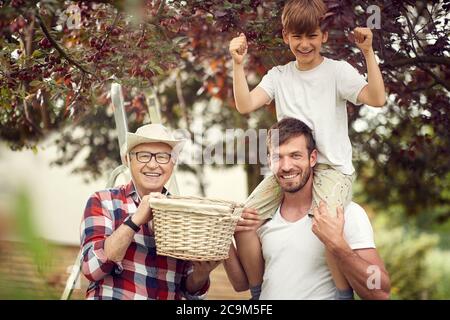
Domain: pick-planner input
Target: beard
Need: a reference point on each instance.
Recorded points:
(293, 187)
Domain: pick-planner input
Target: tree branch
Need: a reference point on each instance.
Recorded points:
(61, 52)
(157, 18)
(413, 33)
(160, 8)
(182, 102)
(428, 87)
(29, 35)
(75, 97)
(198, 171)
(116, 19)
(28, 118)
(445, 84)
(414, 61)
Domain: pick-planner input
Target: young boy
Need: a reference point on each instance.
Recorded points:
(313, 89)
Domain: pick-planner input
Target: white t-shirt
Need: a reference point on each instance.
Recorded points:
(295, 264)
(318, 98)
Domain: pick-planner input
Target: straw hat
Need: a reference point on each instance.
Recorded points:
(149, 133)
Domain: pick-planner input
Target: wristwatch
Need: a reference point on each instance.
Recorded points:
(131, 224)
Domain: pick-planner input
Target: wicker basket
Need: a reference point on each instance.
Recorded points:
(194, 228)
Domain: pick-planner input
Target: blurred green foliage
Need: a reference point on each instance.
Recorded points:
(32, 256)
(438, 265)
(418, 268)
(26, 229)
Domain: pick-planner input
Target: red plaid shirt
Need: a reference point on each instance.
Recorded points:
(142, 274)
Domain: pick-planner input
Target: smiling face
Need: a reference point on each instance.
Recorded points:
(151, 176)
(291, 164)
(306, 47)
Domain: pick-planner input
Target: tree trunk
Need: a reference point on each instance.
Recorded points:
(254, 176)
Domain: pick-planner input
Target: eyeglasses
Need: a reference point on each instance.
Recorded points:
(146, 157)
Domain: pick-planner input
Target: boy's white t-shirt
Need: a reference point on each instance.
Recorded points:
(318, 98)
(295, 263)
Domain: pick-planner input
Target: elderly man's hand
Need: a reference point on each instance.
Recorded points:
(204, 267)
(249, 220)
(201, 272)
(329, 229)
(144, 213)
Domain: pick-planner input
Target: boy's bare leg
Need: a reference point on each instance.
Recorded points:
(266, 198)
(250, 254)
(235, 271)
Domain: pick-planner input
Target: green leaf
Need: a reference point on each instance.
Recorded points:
(180, 40)
(4, 92)
(227, 5)
(35, 83)
(37, 54)
(158, 69)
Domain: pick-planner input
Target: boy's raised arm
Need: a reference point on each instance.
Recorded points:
(374, 93)
(246, 101)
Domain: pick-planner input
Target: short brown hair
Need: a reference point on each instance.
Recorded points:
(290, 128)
(302, 16)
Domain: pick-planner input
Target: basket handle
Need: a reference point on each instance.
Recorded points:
(237, 212)
(229, 203)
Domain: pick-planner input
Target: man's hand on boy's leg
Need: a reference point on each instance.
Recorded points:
(238, 48)
(329, 229)
(249, 220)
(363, 39)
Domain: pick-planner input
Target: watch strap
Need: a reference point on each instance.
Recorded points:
(131, 224)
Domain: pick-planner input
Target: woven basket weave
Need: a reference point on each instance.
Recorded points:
(194, 228)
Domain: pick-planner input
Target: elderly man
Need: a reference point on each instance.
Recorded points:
(118, 245)
(295, 240)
